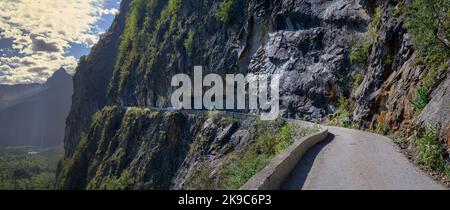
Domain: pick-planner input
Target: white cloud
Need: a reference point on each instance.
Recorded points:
(42, 32)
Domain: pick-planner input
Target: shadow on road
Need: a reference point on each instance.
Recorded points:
(298, 176)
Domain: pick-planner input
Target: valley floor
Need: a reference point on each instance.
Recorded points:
(28, 168)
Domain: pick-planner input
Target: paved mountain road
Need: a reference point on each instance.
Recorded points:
(356, 160)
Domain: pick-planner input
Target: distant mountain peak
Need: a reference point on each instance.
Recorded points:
(60, 76)
(39, 111)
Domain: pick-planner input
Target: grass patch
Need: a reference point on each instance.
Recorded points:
(270, 140)
(430, 151)
(267, 139)
(341, 117)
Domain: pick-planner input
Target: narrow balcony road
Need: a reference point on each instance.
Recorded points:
(356, 160)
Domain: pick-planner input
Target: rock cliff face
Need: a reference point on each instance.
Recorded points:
(308, 42)
(384, 97)
(136, 148)
(437, 111)
(91, 81)
(304, 41)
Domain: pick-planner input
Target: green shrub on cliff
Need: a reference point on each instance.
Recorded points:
(421, 99)
(123, 182)
(224, 13)
(342, 115)
(430, 151)
(359, 52)
(357, 80)
(189, 42)
(201, 180)
(376, 22)
(271, 139)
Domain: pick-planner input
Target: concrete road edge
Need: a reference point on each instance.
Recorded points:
(274, 174)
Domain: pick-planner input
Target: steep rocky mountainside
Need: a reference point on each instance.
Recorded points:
(136, 148)
(163, 38)
(385, 96)
(91, 81)
(34, 115)
(325, 51)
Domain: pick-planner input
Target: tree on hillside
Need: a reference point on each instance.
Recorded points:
(429, 23)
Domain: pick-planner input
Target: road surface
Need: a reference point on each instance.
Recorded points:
(356, 160)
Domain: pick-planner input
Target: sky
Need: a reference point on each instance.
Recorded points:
(37, 37)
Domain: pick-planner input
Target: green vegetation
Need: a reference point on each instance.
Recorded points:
(341, 117)
(169, 14)
(27, 168)
(147, 31)
(115, 127)
(201, 180)
(429, 23)
(83, 59)
(213, 115)
(69, 164)
(375, 25)
(199, 144)
(130, 39)
(359, 51)
(100, 123)
(268, 139)
(430, 151)
(224, 13)
(357, 80)
(421, 99)
(124, 182)
(189, 42)
(229, 120)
